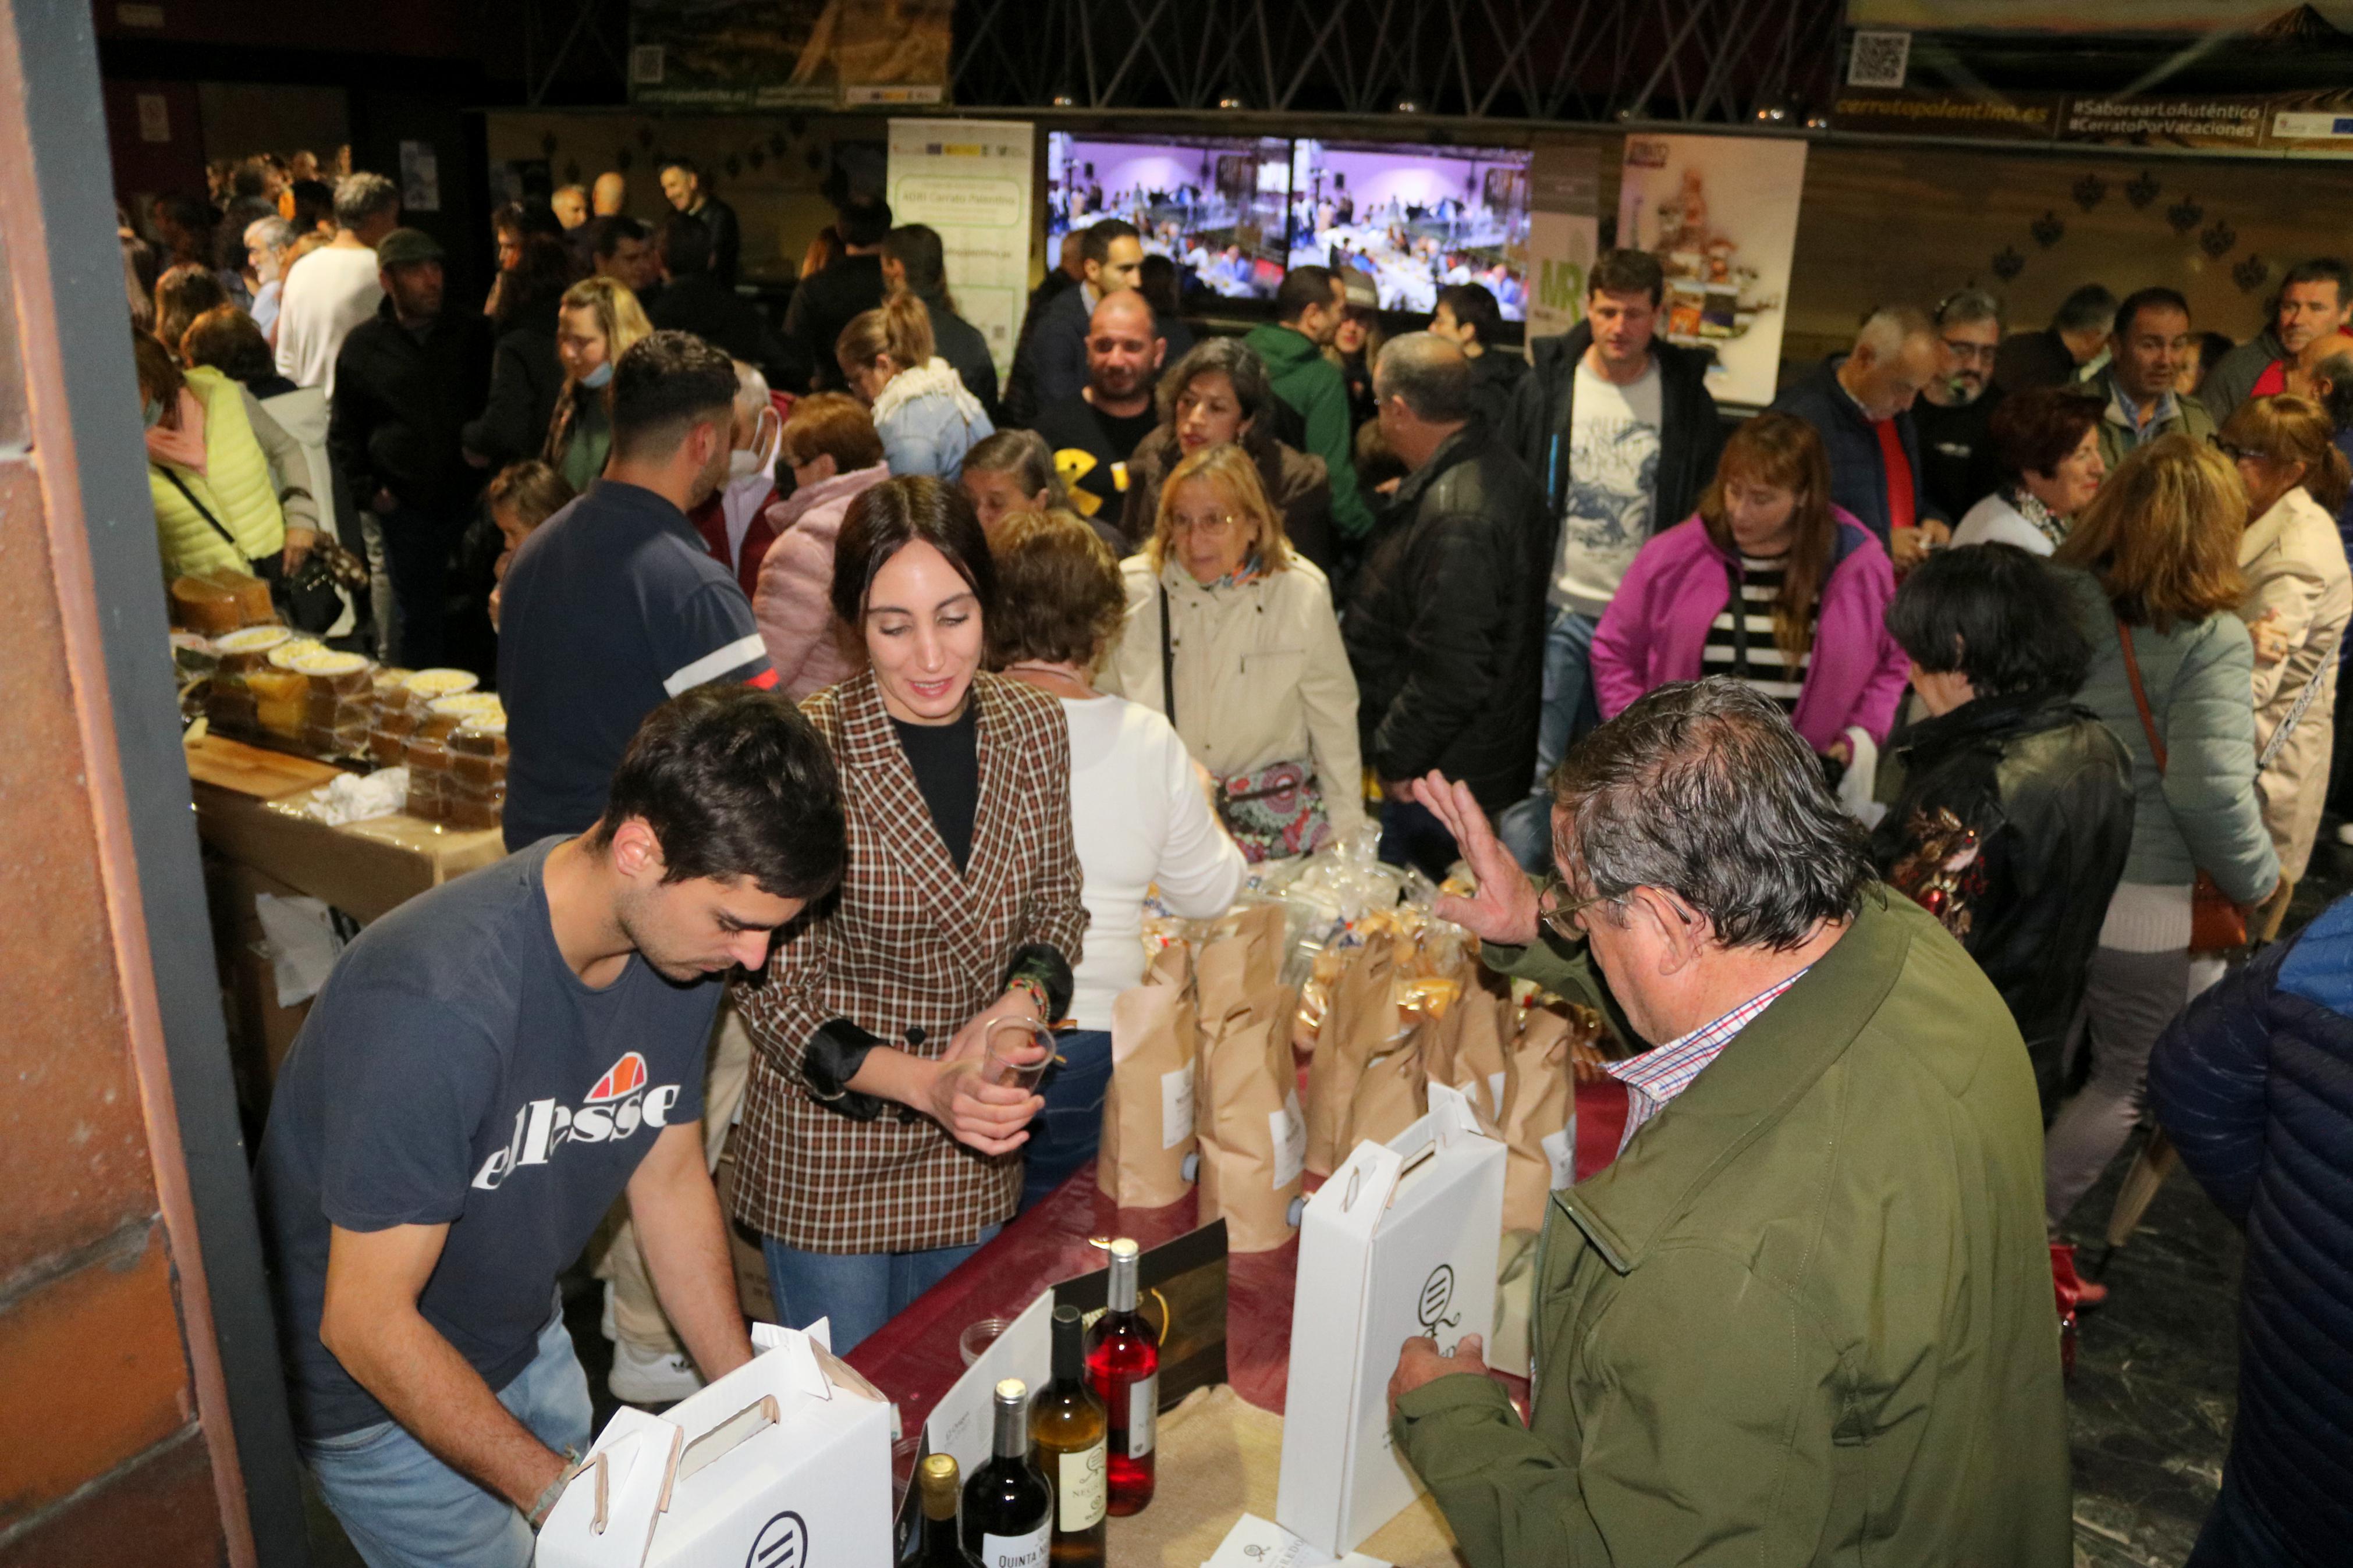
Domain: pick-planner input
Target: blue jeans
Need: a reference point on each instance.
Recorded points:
(1068, 1131)
(858, 1292)
(1411, 835)
(1570, 713)
(405, 1509)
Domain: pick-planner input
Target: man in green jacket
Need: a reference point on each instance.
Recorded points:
(1308, 309)
(1805, 1316)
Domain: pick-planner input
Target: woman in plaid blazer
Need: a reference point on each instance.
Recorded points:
(874, 1155)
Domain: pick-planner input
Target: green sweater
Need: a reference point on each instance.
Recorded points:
(1807, 1317)
(1310, 384)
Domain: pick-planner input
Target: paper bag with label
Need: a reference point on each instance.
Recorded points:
(1247, 1110)
(1538, 1100)
(1400, 1242)
(1359, 1025)
(786, 1460)
(1468, 1051)
(1394, 1092)
(1148, 1142)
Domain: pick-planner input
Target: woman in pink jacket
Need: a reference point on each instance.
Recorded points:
(1812, 582)
(835, 454)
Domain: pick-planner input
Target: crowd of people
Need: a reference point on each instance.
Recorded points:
(831, 668)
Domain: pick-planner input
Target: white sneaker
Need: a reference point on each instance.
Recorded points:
(650, 1377)
(2345, 833)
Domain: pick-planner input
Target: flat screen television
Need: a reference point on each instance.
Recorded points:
(1214, 205)
(1414, 218)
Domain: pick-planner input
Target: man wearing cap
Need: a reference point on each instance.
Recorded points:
(406, 381)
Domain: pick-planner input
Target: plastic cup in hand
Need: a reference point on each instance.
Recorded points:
(1019, 1053)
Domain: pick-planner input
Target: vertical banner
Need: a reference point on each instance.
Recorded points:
(1721, 214)
(1564, 233)
(970, 179)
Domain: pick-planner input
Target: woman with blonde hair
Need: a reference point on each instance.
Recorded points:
(1232, 636)
(2299, 600)
(597, 321)
(2155, 577)
(927, 417)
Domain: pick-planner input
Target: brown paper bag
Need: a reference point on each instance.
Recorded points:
(1359, 1025)
(1467, 1050)
(1241, 963)
(1148, 1115)
(1537, 1097)
(1253, 1137)
(1393, 1092)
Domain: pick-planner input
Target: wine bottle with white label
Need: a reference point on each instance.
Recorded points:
(1008, 1509)
(1066, 1432)
(1124, 1364)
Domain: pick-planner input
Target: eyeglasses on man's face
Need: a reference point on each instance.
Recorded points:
(1563, 913)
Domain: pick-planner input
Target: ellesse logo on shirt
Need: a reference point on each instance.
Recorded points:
(616, 1106)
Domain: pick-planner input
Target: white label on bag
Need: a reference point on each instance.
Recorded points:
(1018, 1550)
(1289, 1130)
(1080, 1493)
(1175, 1106)
(1143, 1415)
(1495, 1093)
(1562, 1153)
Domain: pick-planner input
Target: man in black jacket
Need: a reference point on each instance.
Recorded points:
(1620, 430)
(1860, 403)
(1444, 629)
(825, 302)
(686, 189)
(406, 382)
(914, 260)
(1469, 313)
(694, 299)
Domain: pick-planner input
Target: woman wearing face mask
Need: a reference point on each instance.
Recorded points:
(926, 416)
(1812, 584)
(222, 474)
(2298, 600)
(878, 1146)
(1012, 472)
(836, 457)
(1231, 636)
(2048, 441)
(1217, 394)
(597, 321)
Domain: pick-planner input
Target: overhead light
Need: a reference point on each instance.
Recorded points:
(1409, 105)
(1064, 99)
(1232, 102)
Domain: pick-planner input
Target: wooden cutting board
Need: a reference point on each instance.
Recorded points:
(253, 771)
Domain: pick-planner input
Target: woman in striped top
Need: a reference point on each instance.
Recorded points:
(1768, 583)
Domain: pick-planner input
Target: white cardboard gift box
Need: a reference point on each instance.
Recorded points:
(784, 1462)
(1400, 1241)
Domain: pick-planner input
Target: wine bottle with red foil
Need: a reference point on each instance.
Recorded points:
(1008, 1509)
(1124, 1364)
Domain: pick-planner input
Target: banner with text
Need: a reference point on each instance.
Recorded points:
(1564, 233)
(971, 179)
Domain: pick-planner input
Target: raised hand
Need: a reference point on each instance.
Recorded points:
(1504, 911)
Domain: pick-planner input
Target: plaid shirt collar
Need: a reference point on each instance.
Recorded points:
(1656, 1076)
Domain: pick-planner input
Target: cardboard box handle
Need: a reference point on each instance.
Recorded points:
(723, 1438)
(599, 1520)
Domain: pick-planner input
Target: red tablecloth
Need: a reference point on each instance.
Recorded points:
(915, 1359)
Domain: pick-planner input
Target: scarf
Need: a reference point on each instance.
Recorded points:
(937, 376)
(185, 445)
(2054, 528)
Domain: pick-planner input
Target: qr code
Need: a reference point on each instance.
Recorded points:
(645, 63)
(1879, 59)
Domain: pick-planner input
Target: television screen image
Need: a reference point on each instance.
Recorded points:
(1414, 218)
(1214, 205)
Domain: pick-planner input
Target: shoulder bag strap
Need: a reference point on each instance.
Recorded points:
(2296, 714)
(1168, 662)
(202, 509)
(2141, 696)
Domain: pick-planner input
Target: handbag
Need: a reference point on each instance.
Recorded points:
(1270, 812)
(317, 596)
(2218, 923)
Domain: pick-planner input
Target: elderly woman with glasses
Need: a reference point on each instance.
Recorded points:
(1231, 635)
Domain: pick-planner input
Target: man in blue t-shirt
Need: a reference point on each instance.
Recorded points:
(613, 605)
(486, 1070)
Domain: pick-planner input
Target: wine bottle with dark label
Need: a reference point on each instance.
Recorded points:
(1124, 1364)
(942, 1490)
(1008, 1509)
(1066, 1432)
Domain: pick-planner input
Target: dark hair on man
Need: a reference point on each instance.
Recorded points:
(1156, 282)
(315, 203)
(1701, 789)
(191, 214)
(1096, 246)
(543, 274)
(685, 246)
(362, 196)
(1627, 272)
(225, 339)
(2322, 269)
(1996, 614)
(524, 219)
(737, 786)
(1963, 306)
(863, 221)
(1301, 287)
(2156, 297)
(2089, 305)
(1240, 364)
(1429, 373)
(1474, 305)
(682, 164)
(667, 383)
(2212, 346)
(916, 248)
(1060, 599)
(2334, 373)
(611, 231)
(2033, 432)
(885, 519)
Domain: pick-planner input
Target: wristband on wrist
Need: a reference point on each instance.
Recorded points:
(573, 1466)
(1035, 992)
